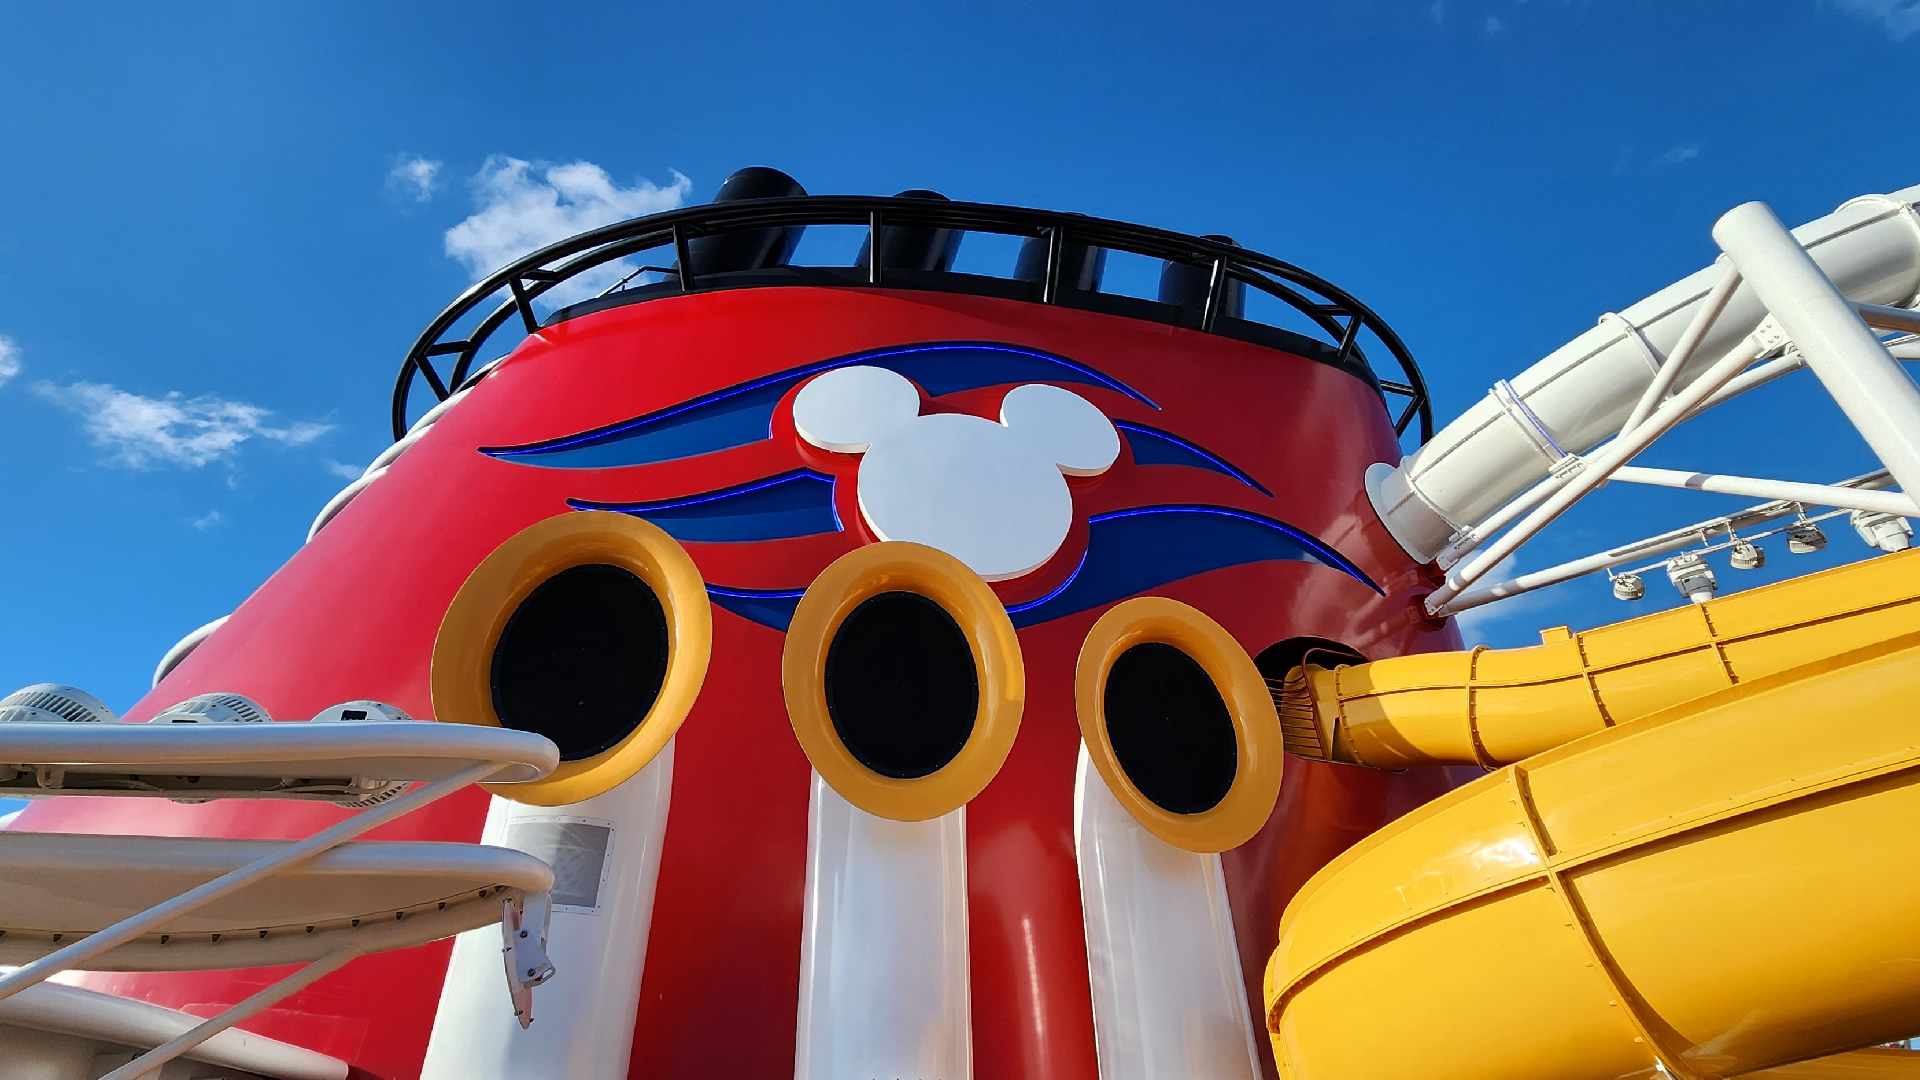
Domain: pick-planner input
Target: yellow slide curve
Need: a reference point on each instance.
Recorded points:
(1705, 862)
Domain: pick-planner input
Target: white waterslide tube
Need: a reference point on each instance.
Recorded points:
(1584, 391)
(884, 984)
(605, 853)
(1168, 997)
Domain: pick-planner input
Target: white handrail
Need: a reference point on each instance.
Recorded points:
(133, 926)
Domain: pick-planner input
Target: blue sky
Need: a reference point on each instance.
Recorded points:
(222, 225)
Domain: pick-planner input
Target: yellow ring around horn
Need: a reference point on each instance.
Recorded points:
(463, 648)
(1256, 727)
(898, 566)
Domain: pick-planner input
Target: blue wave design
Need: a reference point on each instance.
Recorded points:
(768, 607)
(743, 413)
(1128, 552)
(1151, 446)
(798, 503)
(1131, 551)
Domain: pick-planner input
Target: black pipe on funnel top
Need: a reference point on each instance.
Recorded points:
(1185, 285)
(748, 249)
(913, 247)
(1081, 266)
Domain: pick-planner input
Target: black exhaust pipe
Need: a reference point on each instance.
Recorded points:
(748, 249)
(913, 247)
(1185, 285)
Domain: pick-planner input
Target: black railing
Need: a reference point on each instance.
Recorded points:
(1332, 311)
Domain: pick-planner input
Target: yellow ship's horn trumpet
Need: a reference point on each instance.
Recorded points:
(1723, 885)
(1493, 707)
(903, 680)
(1178, 721)
(591, 628)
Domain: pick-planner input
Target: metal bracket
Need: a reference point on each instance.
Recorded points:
(523, 928)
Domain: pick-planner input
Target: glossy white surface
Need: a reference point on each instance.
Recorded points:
(990, 494)
(1168, 1000)
(884, 988)
(583, 1017)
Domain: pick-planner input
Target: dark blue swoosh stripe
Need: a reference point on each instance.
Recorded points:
(768, 607)
(1131, 551)
(1128, 552)
(798, 503)
(1151, 446)
(743, 413)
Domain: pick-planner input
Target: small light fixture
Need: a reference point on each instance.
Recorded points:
(1805, 538)
(1748, 556)
(1692, 576)
(1888, 532)
(213, 709)
(1628, 586)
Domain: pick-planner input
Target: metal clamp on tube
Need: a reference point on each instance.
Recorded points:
(590, 628)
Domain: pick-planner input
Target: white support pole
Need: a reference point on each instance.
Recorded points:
(1864, 379)
(1602, 465)
(147, 1063)
(1690, 338)
(101, 941)
(1873, 502)
(1757, 376)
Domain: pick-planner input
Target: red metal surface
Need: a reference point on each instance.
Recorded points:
(354, 614)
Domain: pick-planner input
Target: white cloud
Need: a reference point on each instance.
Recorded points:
(9, 360)
(343, 470)
(1901, 17)
(413, 177)
(1438, 11)
(173, 430)
(524, 207)
(1476, 623)
(1678, 154)
(1493, 25)
(212, 518)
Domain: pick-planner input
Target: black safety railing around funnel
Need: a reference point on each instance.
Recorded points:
(1336, 314)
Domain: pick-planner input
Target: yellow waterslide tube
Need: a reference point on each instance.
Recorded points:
(1493, 707)
(1728, 885)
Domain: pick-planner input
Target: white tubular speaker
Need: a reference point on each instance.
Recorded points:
(605, 854)
(1584, 391)
(1168, 996)
(884, 988)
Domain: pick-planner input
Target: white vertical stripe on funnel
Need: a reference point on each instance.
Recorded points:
(884, 988)
(1168, 1001)
(584, 1016)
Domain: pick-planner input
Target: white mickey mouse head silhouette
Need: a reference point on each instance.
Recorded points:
(991, 495)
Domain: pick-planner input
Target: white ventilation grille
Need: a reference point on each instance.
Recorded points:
(577, 851)
(52, 703)
(214, 709)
